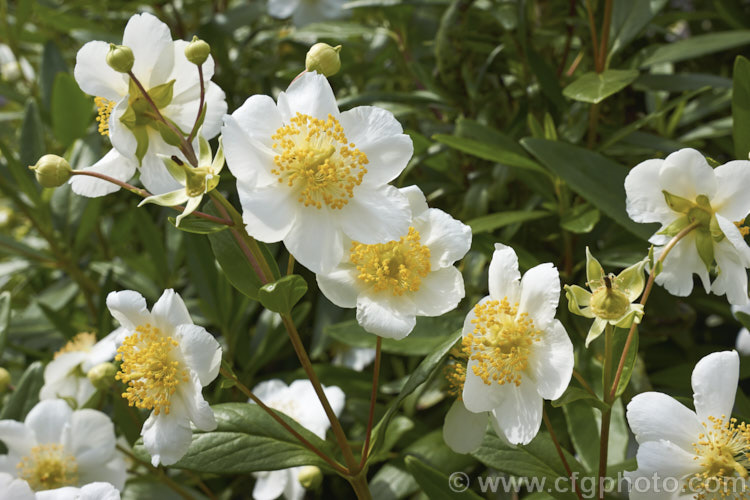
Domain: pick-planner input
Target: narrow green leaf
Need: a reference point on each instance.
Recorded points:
(595, 87)
(71, 110)
(489, 151)
(741, 107)
(580, 219)
(31, 146)
(4, 320)
(53, 63)
(26, 394)
(436, 485)
(573, 393)
(631, 18)
(696, 46)
(621, 336)
(233, 262)
(281, 295)
(491, 222)
(198, 225)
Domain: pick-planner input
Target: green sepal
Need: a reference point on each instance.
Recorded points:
(170, 136)
(128, 118)
(192, 205)
(705, 244)
(171, 199)
(675, 227)
(597, 327)
(578, 298)
(634, 315)
(716, 233)
(218, 162)
(677, 203)
(632, 280)
(141, 137)
(594, 271)
(162, 94)
(204, 154)
(175, 169)
(199, 122)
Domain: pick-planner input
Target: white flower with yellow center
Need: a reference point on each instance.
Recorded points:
(93, 491)
(304, 12)
(310, 175)
(706, 451)
(55, 447)
(12, 488)
(518, 353)
(299, 402)
(65, 376)
(126, 117)
(392, 283)
(166, 361)
(681, 190)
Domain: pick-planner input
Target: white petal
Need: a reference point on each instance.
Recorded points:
(48, 419)
(17, 437)
(294, 490)
(187, 84)
(99, 491)
(247, 140)
(743, 342)
(112, 164)
(114, 472)
(170, 311)
(733, 184)
(680, 265)
(376, 215)
(166, 437)
(540, 293)
(269, 485)
(129, 308)
(216, 108)
(417, 200)
(463, 431)
(200, 350)
(388, 317)
(645, 200)
(686, 173)
(121, 137)
(439, 292)
(268, 212)
(551, 361)
(314, 240)
(151, 42)
(447, 238)
(154, 175)
(468, 326)
(90, 438)
(643, 487)
(354, 358)
(340, 286)
(666, 459)
(653, 416)
(732, 275)
(478, 396)
(94, 75)
(270, 390)
(14, 489)
(714, 382)
(103, 351)
(734, 236)
(190, 400)
(504, 278)
(519, 413)
(376, 132)
(311, 95)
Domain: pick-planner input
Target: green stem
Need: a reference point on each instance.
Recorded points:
(373, 398)
(606, 414)
(359, 484)
(200, 105)
(560, 452)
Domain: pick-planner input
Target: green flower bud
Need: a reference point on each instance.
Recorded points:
(4, 380)
(608, 302)
(310, 477)
(197, 51)
(324, 59)
(120, 58)
(52, 171)
(102, 375)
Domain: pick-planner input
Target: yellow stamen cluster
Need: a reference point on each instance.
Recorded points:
(104, 108)
(744, 230)
(455, 373)
(724, 453)
(501, 342)
(81, 342)
(317, 161)
(48, 467)
(150, 369)
(398, 266)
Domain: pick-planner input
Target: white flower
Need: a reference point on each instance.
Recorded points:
(173, 84)
(304, 12)
(392, 283)
(56, 447)
(704, 450)
(11, 69)
(166, 360)
(12, 488)
(683, 189)
(518, 353)
(310, 175)
(355, 358)
(742, 343)
(65, 375)
(93, 491)
(299, 402)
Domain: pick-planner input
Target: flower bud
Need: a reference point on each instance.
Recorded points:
(102, 375)
(52, 171)
(4, 380)
(197, 51)
(608, 302)
(324, 59)
(310, 477)
(120, 58)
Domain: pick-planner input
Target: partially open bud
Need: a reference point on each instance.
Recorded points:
(608, 302)
(102, 375)
(197, 51)
(52, 171)
(310, 477)
(324, 59)
(120, 58)
(4, 380)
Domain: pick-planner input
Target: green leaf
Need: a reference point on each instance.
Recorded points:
(435, 484)
(166, 132)
(696, 46)
(233, 262)
(247, 439)
(491, 222)
(26, 394)
(198, 225)
(489, 151)
(573, 393)
(629, 19)
(71, 110)
(281, 295)
(31, 146)
(595, 87)
(741, 107)
(53, 63)
(4, 319)
(618, 346)
(580, 219)
(596, 178)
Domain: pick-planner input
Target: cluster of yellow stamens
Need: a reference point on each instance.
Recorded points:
(150, 369)
(501, 342)
(81, 342)
(104, 108)
(455, 373)
(48, 467)
(398, 266)
(724, 453)
(315, 158)
(744, 230)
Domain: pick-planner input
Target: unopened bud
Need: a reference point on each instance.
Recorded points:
(120, 58)
(197, 51)
(310, 477)
(324, 59)
(102, 375)
(52, 171)
(4, 380)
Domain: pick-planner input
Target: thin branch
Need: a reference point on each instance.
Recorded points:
(585, 384)
(200, 107)
(560, 452)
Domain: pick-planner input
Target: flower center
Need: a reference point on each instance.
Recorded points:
(317, 161)
(455, 373)
(149, 369)
(501, 342)
(398, 266)
(608, 301)
(81, 342)
(48, 467)
(104, 108)
(744, 230)
(723, 450)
